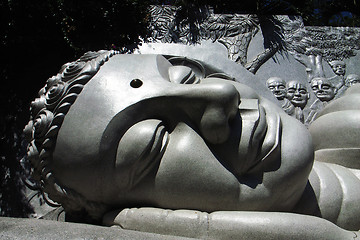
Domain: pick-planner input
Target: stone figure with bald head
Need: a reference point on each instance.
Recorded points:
(352, 79)
(298, 95)
(174, 147)
(339, 69)
(278, 87)
(325, 91)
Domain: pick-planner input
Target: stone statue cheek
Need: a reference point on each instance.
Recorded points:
(189, 173)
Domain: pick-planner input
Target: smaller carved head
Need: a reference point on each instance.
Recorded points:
(323, 89)
(338, 67)
(277, 86)
(297, 93)
(352, 79)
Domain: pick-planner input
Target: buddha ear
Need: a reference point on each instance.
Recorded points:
(181, 75)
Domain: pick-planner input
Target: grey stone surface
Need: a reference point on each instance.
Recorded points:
(38, 204)
(212, 53)
(286, 48)
(336, 131)
(287, 66)
(229, 224)
(284, 65)
(35, 229)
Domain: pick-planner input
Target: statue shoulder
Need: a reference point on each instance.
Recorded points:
(337, 191)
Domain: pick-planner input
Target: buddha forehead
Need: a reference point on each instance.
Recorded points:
(118, 84)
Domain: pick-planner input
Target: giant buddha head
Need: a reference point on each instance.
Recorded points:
(113, 130)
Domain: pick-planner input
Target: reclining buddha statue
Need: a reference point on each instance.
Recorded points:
(171, 145)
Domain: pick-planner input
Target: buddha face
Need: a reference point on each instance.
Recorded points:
(323, 89)
(297, 94)
(138, 135)
(277, 87)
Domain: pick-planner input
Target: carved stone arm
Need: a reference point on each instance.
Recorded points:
(226, 224)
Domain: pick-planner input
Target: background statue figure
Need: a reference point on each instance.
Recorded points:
(338, 67)
(338, 81)
(324, 91)
(278, 87)
(298, 95)
(352, 79)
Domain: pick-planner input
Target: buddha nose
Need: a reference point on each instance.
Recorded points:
(211, 106)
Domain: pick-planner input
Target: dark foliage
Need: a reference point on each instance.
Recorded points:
(37, 38)
(314, 12)
(12, 198)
